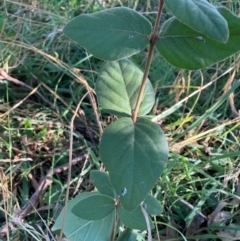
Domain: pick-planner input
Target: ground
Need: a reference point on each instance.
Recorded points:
(43, 77)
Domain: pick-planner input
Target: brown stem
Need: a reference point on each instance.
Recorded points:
(152, 42)
(114, 225)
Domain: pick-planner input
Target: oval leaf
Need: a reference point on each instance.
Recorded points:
(152, 205)
(111, 34)
(201, 16)
(118, 86)
(135, 155)
(102, 182)
(128, 235)
(134, 219)
(94, 208)
(79, 229)
(192, 51)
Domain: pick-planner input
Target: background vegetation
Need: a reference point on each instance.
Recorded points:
(43, 77)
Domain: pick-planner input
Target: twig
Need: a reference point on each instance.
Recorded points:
(192, 208)
(19, 103)
(179, 104)
(176, 147)
(152, 42)
(222, 204)
(95, 110)
(46, 181)
(70, 166)
(16, 160)
(227, 87)
(5, 76)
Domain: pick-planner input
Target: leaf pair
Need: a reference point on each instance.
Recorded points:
(91, 216)
(197, 36)
(135, 154)
(99, 206)
(186, 48)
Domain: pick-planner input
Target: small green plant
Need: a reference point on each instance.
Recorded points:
(134, 149)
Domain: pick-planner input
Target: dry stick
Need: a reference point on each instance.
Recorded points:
(227, 87)
(157, 118)
(152, 42)
(222, 204)
(70, 166)
(177, 146)
(155, 220)
(95, 110)
(20, 102)
(16, 160)
(4, 75)
(41, 188)
(5, 195)
(192, 207)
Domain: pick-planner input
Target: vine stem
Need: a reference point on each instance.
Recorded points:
(114, 225)
(152, 42)
(147, 221)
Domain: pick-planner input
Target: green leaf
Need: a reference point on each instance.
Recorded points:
(152, 205)
(94, 208)
(118, 86)
(128, 235)
(190, 50)
(135, 155)
(79, 229)
(102, 182)
(201, 16)
(111, 34)
(134, 219)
